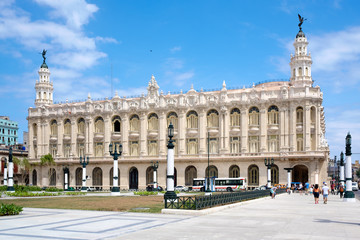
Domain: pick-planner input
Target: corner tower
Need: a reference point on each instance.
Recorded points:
(301, 62)
(43, 87)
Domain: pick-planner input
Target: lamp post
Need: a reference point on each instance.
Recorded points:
(115, 190)
(338, 172)
(334, 168)
(349, 195)
(84, 162)
(10, 187)
(155, 166)
(66, 174)
(342, 172)
(269, 163)
(170, 194)
(208, 168)
(289, 177)
(5, 173)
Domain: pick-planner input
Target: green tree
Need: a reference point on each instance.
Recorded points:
(24, 167)
(48, 161)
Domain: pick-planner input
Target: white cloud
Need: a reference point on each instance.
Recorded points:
(175, 49)
(75, 12)
(106, 40)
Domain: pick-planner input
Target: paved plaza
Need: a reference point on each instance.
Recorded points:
(292, 216)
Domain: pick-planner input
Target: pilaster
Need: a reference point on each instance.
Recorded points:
(181, 133)
(263, 130)
(125, 134)
(202, 131)
(143, 135)
(244, 130)
(162, 134)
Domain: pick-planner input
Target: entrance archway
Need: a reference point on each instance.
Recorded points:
(300, 174)
(133, 178)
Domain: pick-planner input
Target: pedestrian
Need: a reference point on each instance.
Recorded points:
(333, 188)
(272, 192)
(325, 193)
(311, 189)
(300, 188)
(307, 185)
(341, 190)
(316, 192)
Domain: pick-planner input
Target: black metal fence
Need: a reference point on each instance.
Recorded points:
(201, 202)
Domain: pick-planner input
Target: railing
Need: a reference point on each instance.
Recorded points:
(201, 202)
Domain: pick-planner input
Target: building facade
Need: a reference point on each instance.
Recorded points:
(283, 120)
(8, 131)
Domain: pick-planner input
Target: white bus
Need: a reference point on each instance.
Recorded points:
(220, 184)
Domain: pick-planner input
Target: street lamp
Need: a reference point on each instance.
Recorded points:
(208, 168)
(155, 166)
(66, 174)
(289, 177)
(342, 170)
(115, 190)
(269, 163)
(349, 194)
(170, 194)
(5, 173)
(84, 162)
(10, 187)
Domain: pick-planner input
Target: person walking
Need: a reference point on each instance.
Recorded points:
(333, 188)
(316, 192)
(325, 193)
(311, 189)
(341, 190)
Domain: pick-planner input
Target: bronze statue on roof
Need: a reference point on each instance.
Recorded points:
(301, 21)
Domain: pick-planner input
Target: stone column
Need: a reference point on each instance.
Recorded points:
(107, 135)
(89, 136)
(182, 133)
(226, 129)
(60, 148)
(283, 129)
(307, 127)
(263, 129)
(202, 132)
(125, 134)
(73, 137)
(292, 128)
(162, 134)
(143, 135)
(244, 129)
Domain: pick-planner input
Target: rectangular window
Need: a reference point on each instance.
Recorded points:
(81, 150)
(152, 148)
(67, 150)
(235, 145)
(214, 146)
(134, 148)
(273, 143)
(192, 146)
(253, 144)
(99, 150)
(53, 150)
(299, 142)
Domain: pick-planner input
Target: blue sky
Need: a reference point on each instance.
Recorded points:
(180, 43)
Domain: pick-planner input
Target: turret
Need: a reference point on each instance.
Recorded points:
(43, 87)
(300, 63)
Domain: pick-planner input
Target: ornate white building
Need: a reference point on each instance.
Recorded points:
(283, 120)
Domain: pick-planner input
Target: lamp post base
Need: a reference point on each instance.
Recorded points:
(170, 195)
(83, 189)
(115, 191)
(10, 189)
(349, 196)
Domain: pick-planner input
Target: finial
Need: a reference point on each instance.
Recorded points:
(116, 94)
(181, 92)
(201, 90)
(253, 85)
(224, 85)
(192, 87)
(89, 96)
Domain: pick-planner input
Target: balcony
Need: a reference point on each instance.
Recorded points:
(98, 136)
(67, 137)
(299, 127)
(116, 136)
(213, 131)
(235, 130)
(191, 132)
(153, 134)
(35, 139)
(53, 138)
(254, 128)
(80, 136)
(134, 134)
(273, 127)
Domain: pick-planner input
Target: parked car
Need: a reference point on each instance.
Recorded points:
(355, 186)
(91, 189)
(181, 188)
(71, 189)
(262, 187)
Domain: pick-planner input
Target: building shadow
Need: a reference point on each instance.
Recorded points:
(332, 221)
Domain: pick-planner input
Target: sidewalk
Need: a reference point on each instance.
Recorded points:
(286, 217)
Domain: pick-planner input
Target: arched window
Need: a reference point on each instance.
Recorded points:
(111, 175)
(254, 116)
(153, 122)
(81, 126)
(273, 115)
(300, 72)
(173, 118)
(97, 177)
(192, 146)
(52, 177)
(190, 174)
(134, 123)
(213, 118)
(313, 115)
(274, 175)
(253, 175)
(67, 127)
(306, 71)
(294, 72)
(34, 177)
(53, 128)
(299, 115)
(34, 130)
(235, 117)
(213, 171)
(99, 125)
(116, 124)
(78, 177)
(234, 171)
(192, 119)
(149, 175)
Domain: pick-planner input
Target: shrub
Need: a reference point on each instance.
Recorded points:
(30, 194)
(3, 188)
(53, 189)
(145, 193)
(10, 209)
(75, 193)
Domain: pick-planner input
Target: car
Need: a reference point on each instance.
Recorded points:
(262, 187)
(91, 189)
(181, 188)
(71, 189)
(355, 186)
